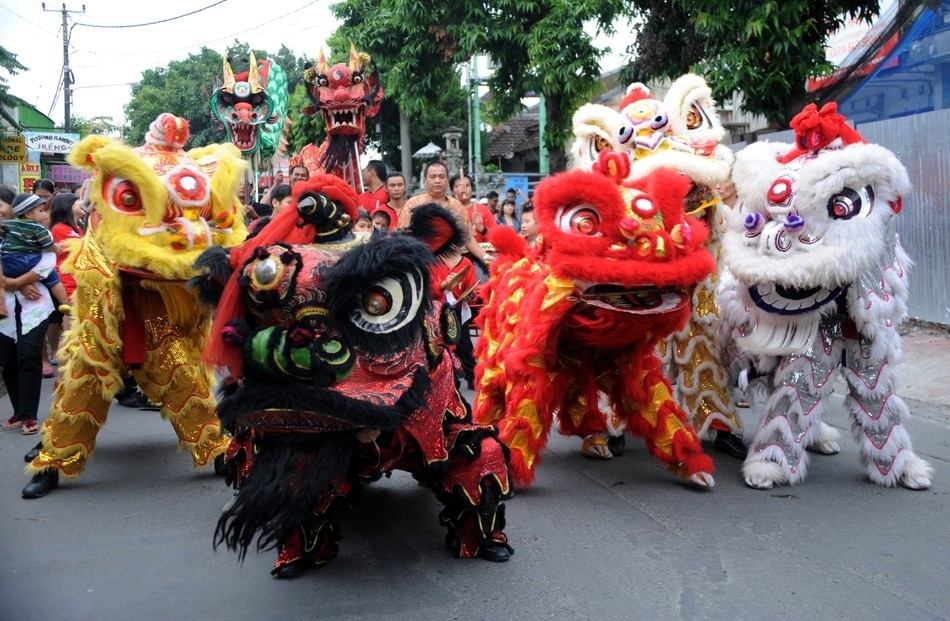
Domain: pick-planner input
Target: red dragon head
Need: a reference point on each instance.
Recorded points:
(345, 94)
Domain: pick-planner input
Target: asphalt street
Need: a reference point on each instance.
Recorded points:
(131, 538)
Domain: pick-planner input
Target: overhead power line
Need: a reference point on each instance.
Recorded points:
(161, 21)
(246, 33)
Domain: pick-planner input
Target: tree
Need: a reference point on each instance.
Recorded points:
(539, 45)
(764, 49)
(95, 125)
(304, 128)
(450, 109)
(8, 100)
(184, 89)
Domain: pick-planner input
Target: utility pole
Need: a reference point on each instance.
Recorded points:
(67, 73)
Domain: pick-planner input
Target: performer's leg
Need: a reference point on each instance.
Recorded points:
(580, 415)
(792, 418)
(702, 387)
(472, 490)
(174, 377)
(310, 545)
(526, 426)
(90, 373)
(886, 448)
(79, 410)
(464, 350)
(648, 406)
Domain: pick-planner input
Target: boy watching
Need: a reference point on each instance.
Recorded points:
(25, 238)
(381, 220)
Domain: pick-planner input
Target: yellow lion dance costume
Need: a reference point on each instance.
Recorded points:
(156, 208)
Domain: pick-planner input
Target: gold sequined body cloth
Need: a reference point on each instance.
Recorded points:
(92, 367)
(153, 209)
(693, 355)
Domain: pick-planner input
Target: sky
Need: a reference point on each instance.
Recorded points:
(105, 61)
(107, 54)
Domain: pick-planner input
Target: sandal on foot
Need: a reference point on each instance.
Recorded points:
(49, 372)
(595, 446)
(13, 423)
(30, 427)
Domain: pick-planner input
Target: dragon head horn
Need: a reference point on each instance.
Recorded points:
(355, 63)
(322, 63)
(228, 75)
(254, 75)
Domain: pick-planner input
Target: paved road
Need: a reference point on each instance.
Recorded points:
(131, 538)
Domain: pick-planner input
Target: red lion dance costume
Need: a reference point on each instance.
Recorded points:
(583, 312)
(340, 374)
(816, 286)
(680, 132)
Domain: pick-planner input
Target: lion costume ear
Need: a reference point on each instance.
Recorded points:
(225, 166)
(82, 154)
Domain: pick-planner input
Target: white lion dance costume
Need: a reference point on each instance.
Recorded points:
(817, 283)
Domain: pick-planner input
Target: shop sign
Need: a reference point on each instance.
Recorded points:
(14, 151)
(29, 174)
(66, 175)
(50, 142)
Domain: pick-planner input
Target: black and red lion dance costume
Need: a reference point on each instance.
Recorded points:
(582, 313)
(337, 374)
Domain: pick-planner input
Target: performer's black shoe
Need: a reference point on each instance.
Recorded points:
(495, 552)
(136, 400)
(33, 453)
(616, 444)
(42, 483)
(730, 444)
(292, 570)
(219, 466)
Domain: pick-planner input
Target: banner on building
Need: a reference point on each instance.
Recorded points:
(14, 151)
(29, 174)
(65, 175)
(50, 142)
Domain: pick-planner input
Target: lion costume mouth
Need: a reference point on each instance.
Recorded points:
(780, 300)
(636, 301)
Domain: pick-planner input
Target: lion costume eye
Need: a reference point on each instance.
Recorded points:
(123, 195)
(602, 144)
(697, 118)
(581, 219)
(625, 134)
(849, 203)
(389, 304)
